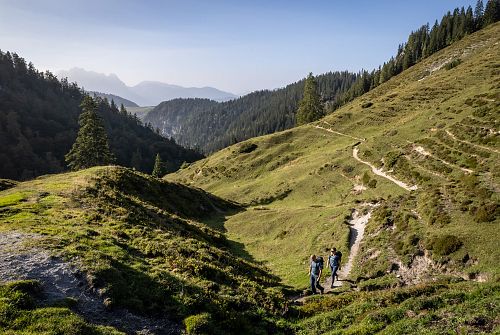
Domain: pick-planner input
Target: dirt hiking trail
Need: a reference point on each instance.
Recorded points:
(381, 173)
(357, 222)
(470, 143)
(357, 225)
(375, 170)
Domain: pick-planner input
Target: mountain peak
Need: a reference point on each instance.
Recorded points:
(145, 93)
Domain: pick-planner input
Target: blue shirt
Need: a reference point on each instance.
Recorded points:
(315, 268)
(334, 260)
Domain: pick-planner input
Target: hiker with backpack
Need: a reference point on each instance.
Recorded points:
(315, 271)
(334, 263)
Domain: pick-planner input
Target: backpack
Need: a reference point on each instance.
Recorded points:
(320, 262)
(339, 254)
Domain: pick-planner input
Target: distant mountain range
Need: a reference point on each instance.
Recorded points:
(146, 93)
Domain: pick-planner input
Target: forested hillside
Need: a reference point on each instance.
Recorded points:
(424, 42)
(209, 126)
(117, 99)
(38, 125)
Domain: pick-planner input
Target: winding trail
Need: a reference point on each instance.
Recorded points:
(381, 173)
(357, 224)
(376, 171)
(338, 133)
(421, 150)
(470, 143)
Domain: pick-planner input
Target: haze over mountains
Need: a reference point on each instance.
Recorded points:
(146, 93)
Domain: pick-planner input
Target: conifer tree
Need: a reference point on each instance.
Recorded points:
(91, 147)
(310, 107)
(113, 106)
(478, 14)
(158, 168)
(491, 12)
(123, 110)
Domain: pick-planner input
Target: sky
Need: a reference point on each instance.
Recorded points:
(236, 46)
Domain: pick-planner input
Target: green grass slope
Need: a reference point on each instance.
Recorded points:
(434, 126)
(144, 246)
(431, 308)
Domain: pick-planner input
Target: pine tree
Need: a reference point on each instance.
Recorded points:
(478, 14)
(491, 12)
(310, 107)
(158, 168)
(113, 106)
(469, 21)
(123, 110)
(136, 160)
(91, 146)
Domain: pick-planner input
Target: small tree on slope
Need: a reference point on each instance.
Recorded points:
(158, 168)
(91, 147)
(310, 108)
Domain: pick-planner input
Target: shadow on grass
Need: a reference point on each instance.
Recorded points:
(217, 222)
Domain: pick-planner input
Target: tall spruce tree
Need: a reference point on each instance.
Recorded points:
(158, 168)
(491, 12)
(310, 107)
(91, 147)
(478, 14)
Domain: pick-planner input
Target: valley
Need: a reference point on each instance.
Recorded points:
(300, 184)
(135, 232)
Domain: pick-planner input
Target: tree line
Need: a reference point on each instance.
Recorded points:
(39, 124)
(421, 44)
(209, 126)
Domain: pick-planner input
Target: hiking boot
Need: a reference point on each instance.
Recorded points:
(322, 290)
(331, 286)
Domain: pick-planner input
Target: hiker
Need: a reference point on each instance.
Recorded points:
(315, 271)
(334, 263)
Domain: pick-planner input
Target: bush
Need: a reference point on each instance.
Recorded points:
(366, 178)
(247, 147)
(372, 183)
(453, 63)
(391, 158)
(445, 245)
(348, 168)
(367, 104)
(480, 112)
(198, 324)
(486, 212)
(185, 165)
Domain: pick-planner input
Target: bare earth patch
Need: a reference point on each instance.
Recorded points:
(61, 279)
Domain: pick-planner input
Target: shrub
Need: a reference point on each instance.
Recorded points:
(348, 168)
(372, 183)
(486, 212)
(453, 63)
(366, 178)
(391, 158)
(198, 324)
(247, 147)
(367, 104)
(185, 165)
(445, 245)
(480, 112)
(6, 183)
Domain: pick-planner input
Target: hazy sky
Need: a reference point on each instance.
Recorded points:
(238, 46)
